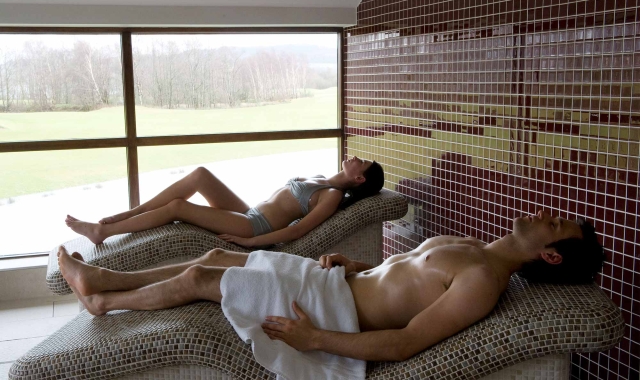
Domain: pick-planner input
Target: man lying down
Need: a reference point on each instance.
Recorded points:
(347, 308)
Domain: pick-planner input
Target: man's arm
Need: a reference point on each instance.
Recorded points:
(331, 260)
(471, 297)
(359, 266)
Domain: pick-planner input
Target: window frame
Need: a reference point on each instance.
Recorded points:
(131, 141)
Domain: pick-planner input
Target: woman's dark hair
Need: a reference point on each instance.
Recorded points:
(582, 259)
(374, 180)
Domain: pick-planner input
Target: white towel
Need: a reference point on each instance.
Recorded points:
(267, 285)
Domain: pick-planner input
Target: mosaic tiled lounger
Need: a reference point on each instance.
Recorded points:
(196, 341)
(356, 231)
(533, 325)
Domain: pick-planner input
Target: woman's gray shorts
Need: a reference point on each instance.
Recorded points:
(259, 223)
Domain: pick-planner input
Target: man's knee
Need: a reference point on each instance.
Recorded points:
(196, 276)
(202, 283)
(213, 256)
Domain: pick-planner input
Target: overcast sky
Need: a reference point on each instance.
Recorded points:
(16, 41)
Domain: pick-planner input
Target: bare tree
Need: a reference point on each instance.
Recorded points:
(7, 65)
(230, 78)
(193, 83)
(167, 75)
(165, 70)
(140, 67)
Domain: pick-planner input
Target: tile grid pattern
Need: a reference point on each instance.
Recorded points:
(530, 321)
(130, 252)
(550, 367)
(482, 110)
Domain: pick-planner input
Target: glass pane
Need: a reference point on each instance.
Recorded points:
(197, 84)
(40, 188)
(58, 87)
(253, 170)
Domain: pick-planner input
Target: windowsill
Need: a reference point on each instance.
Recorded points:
(24, 263)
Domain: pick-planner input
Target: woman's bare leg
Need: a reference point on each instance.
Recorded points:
(89, 279)
(212, 219)
(201, 180)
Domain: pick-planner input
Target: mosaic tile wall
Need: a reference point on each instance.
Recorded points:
(481, 111)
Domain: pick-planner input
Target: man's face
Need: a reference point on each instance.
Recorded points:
(538, 231)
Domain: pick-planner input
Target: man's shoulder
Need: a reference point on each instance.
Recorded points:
(480, 271)
(481, 274)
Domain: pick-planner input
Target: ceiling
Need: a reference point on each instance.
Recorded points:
(174, 3)
(178, 13)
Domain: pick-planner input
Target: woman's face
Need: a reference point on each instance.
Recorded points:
(355, 167)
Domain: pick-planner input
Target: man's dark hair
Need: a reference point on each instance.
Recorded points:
(582, 259)
(374, 180)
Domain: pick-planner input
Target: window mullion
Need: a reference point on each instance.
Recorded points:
(130, 120)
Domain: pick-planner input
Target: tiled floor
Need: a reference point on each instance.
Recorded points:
(25, 323)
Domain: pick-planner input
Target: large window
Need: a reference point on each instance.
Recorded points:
(253, 170)
(193, 84)
(40, 188)
(91, 124)
(60, 87)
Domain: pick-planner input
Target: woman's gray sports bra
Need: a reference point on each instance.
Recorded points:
(303, 191)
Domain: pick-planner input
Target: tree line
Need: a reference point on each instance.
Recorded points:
(167, 75)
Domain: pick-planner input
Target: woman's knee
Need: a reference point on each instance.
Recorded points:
(200, 174)
(176, 207)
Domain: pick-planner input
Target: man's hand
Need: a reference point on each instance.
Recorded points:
(245, 242)
(299, 334)
(335, 259)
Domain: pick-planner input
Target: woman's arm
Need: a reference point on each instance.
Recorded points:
(327, 206)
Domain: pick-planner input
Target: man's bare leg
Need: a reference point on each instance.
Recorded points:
(201, 180)
(195, 283)
(88, 279)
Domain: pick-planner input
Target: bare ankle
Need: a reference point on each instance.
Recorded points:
(102, 230)
(100, 280)
(96, 304)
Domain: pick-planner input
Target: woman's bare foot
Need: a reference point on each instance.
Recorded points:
(91, 230)
(73, 269)
(116, 218)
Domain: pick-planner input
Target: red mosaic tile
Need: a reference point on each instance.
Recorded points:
(481, 111)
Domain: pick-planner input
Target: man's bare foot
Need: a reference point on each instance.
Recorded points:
(116, 218)
(83, 277)
(91, 230)
(92, 302)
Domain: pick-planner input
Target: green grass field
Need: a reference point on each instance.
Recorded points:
(34, 172)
